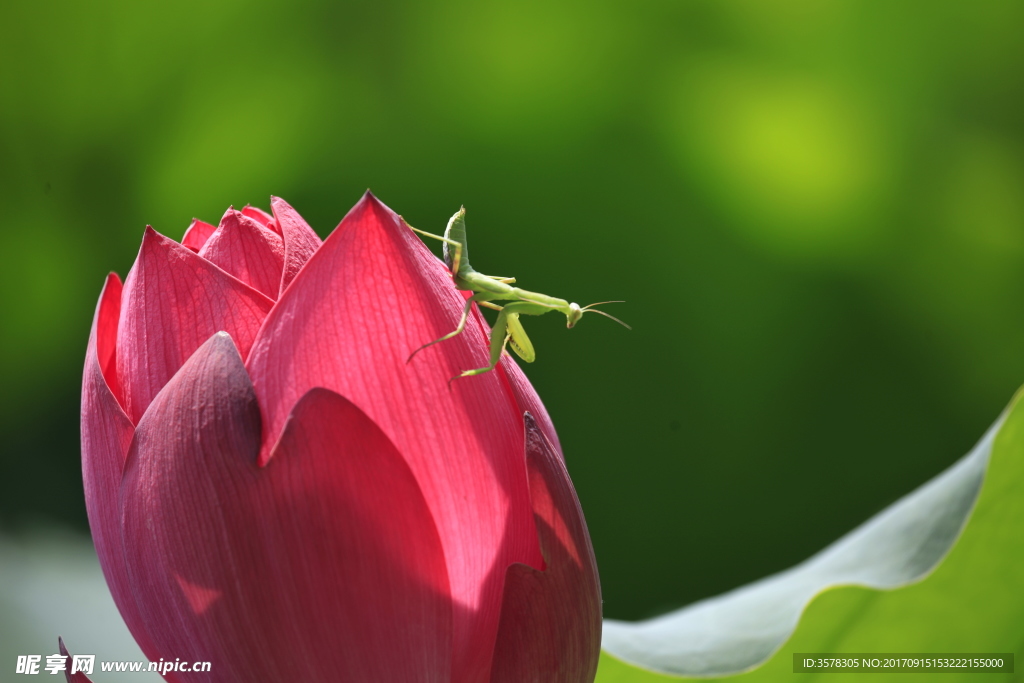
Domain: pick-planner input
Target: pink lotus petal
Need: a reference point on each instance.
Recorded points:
(106, 434)
(551, 620)
(261, 217)
(197, 234)
(323, 566)
(173, 301)
(103, 338)
(300, 242)
(371, 295)
(528, 401)
(78, 676)
(247, 250)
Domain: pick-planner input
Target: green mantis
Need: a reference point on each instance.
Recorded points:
(487, 289)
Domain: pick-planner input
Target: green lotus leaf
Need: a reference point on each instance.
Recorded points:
(938, 571)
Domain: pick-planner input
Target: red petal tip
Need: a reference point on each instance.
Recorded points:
(173, 300)
(78, 676)
(197, 234)
(550, 626)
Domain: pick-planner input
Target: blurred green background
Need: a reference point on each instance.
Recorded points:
(815, 211)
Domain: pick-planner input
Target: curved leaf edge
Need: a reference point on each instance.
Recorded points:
(684, 643)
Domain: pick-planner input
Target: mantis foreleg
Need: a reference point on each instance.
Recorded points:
(508, 330)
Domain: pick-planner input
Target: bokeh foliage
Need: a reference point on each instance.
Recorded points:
(815, 211)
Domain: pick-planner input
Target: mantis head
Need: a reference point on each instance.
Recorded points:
(573, 316)
(576, 312)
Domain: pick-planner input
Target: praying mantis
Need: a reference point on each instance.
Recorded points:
(487, 289)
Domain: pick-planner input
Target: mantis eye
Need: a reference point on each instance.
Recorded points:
(573, 316)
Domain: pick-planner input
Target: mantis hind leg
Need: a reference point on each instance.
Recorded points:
(458, 330)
